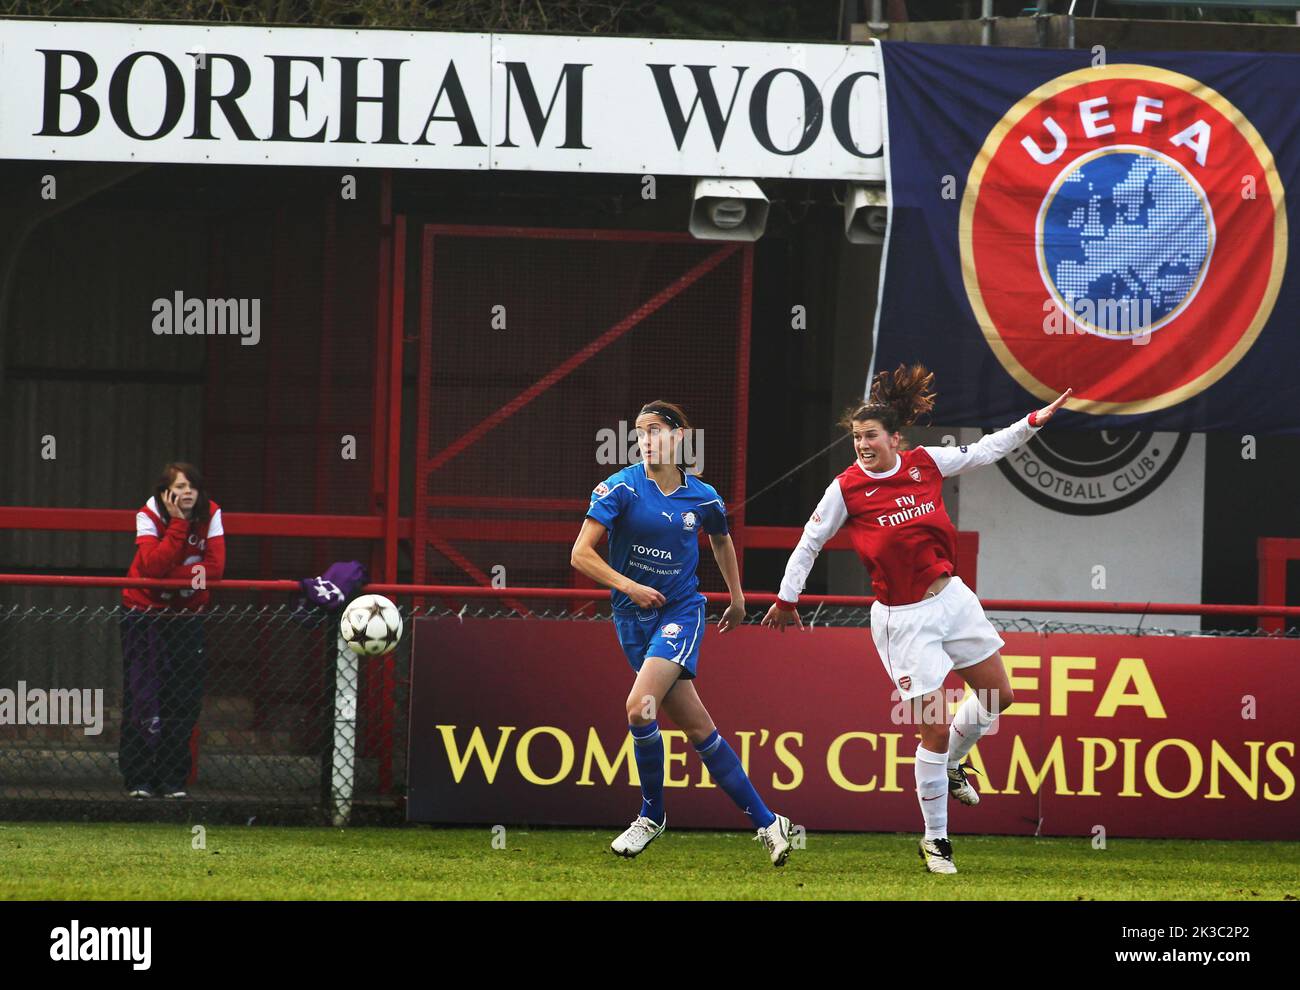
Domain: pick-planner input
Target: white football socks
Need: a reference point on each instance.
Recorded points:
(932, 791)
(969, 723)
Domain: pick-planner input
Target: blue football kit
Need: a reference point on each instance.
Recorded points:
(654, 540)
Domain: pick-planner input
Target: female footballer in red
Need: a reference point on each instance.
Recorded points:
(925, 620)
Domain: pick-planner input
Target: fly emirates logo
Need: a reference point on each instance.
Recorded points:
(907, 509)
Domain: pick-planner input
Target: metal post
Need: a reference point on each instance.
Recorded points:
(986, 22)
(379, 412)
(877, 24)
(742, 400)
(393, 448)
(343, 755)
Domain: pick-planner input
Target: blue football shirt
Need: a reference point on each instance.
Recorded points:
(653, 537)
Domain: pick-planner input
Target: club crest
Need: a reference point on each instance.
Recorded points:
(1091, 222)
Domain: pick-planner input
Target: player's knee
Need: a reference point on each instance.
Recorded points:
(1002, 699)
(639, 712)
(699, 733)
(935, 738)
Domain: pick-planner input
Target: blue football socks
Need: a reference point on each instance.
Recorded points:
(724, 766)
(648, 746)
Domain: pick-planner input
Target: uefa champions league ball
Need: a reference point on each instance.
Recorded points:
(371, 625)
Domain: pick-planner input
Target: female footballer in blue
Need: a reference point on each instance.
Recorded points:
(654, 511)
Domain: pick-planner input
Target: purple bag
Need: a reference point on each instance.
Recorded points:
(337, 586)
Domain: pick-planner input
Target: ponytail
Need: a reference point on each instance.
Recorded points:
(897, 399)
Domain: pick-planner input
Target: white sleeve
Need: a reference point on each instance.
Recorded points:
(824, 523)
(994, 447)
(144, 525)
(215, 526)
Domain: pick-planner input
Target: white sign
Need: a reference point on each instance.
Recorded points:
(1091, 516)
(87, 91)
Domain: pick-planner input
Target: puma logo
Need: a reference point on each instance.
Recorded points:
(667, 515)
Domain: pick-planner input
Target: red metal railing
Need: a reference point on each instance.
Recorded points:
(241, 523)
(476, 592)
(1274, 553)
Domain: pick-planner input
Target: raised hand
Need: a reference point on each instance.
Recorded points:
(1043, 415)
(171, 500)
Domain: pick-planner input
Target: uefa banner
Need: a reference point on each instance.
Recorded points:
(1117, 223)
(522, 722)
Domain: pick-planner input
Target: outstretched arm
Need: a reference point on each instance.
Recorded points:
(824, 523)
(956, 460)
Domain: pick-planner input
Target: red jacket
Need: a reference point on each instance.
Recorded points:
(170, 549)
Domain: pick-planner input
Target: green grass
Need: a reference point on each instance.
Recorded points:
(131, 861)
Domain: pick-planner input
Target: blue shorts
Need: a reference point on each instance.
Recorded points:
(673, 632)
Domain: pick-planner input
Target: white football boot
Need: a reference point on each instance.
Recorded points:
(961, 788)
(638, 835)
(937, 854)
(776, 838)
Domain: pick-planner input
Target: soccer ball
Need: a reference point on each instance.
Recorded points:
(371, 625)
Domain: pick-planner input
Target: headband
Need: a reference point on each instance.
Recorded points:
(663, 414)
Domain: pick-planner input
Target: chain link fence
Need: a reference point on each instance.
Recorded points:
(252, 713)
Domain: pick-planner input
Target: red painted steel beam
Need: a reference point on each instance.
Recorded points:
(739, 530)
(569, 594)
(581, 356)
(1273, 552)
(394, 446)
(379, 389)
(237, 523)
(467, 566)
(511, 504)
(785, 538)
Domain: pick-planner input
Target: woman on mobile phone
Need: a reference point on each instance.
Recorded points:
(178, 534)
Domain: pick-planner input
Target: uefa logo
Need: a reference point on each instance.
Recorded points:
(1122, 205)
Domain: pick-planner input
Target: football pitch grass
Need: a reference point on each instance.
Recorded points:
(40, 861)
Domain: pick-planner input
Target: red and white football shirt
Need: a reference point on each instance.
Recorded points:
(897, 522)
(170, 549)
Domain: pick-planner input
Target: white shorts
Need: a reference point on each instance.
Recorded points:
(920, 643)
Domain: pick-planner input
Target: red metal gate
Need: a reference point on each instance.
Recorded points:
(537, 347)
